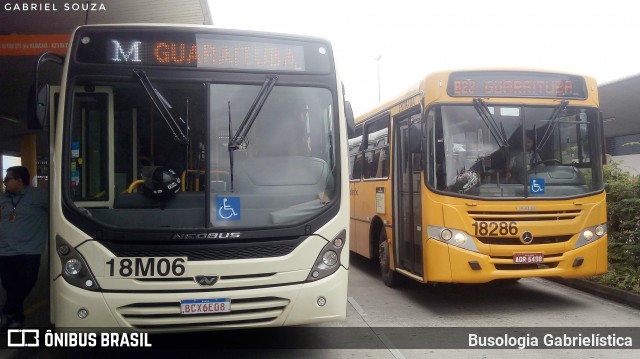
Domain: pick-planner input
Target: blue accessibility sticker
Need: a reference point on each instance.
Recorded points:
(536, 185)
(228, 208)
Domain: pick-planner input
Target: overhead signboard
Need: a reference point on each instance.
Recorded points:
(33, 45)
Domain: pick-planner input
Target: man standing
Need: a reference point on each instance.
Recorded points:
(23, 235)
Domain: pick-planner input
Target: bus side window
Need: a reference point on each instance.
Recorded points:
(376, 152)
(355, 154)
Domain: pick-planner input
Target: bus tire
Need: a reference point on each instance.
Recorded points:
(389, 277)
(513, 280)
(507, 281)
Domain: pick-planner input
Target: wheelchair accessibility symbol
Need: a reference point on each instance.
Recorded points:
(228, 208)
(536, 185)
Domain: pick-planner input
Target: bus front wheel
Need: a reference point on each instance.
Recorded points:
(389, 277)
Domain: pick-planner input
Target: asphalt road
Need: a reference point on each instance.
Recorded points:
(412, 321)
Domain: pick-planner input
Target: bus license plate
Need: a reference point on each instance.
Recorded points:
(146, 267)
(205, 306)
(525, 258)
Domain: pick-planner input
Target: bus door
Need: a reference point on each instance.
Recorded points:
(407, 205)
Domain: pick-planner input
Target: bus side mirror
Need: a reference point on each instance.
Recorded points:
(38, 116)
(351, 124)
(41, 116)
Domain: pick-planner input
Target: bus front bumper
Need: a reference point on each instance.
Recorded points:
(464, 266)
(306, 303)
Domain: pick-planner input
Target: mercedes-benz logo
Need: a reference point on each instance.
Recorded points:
(527, 238)
(206, 280)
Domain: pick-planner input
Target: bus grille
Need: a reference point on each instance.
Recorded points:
(504, 241)
(160, 316)
(206, 251)
(525, 216)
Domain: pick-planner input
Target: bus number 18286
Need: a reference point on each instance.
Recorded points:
(503, 228)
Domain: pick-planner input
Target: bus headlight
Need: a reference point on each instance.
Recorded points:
(460, 238)
(587, 235)
(591, 234)
(74, 268)
(454, 237)
(446, 234)
(328, 260)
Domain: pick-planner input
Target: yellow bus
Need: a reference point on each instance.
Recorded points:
(197, 180)
(480, 175)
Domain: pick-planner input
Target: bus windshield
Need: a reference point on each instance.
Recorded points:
(515, 150)
(283, 172)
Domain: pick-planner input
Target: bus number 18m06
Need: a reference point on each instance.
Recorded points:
(146, 267)
(495, 229)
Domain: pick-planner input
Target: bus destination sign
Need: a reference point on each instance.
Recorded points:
(209, 53)
(516, 84)
(202, 50)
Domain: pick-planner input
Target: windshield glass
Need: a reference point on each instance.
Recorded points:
(517, 151)
(128, 165)
(284, 170)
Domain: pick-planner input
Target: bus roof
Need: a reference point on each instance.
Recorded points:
(434, 85)
(231, 31)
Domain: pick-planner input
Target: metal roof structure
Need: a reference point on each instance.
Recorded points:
(620, 106)
(62, 17)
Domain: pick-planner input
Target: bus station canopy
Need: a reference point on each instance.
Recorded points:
(30, 28)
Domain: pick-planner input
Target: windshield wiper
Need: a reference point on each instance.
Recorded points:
(498, 134)
(551, 124)
(163, 106)
(250, 117)
(242, 131)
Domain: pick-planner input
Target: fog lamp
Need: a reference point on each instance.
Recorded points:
(83, 313)
(322, 301)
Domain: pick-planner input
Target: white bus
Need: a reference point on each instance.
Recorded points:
(197, 180)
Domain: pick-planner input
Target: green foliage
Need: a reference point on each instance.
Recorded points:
(623, 207)
(626, 278)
